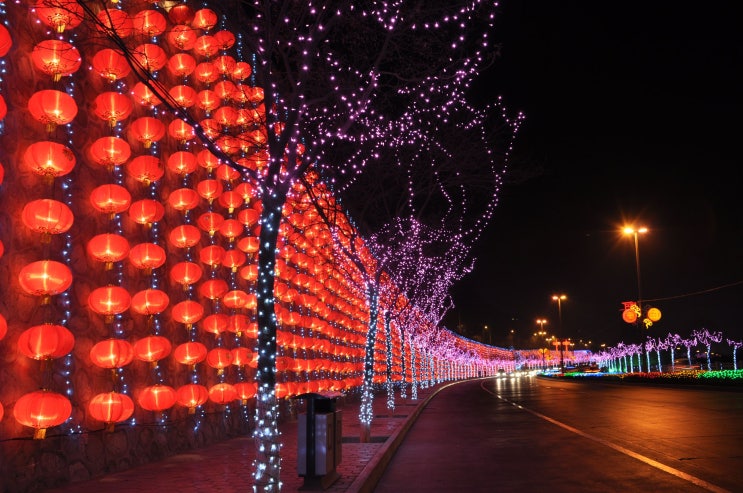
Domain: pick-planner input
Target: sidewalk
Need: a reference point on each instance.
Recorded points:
(226, 467)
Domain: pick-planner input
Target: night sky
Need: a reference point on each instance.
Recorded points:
(633, 114)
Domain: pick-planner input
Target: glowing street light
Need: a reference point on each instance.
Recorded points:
(541, 322)
(559, 298)
(630, 230)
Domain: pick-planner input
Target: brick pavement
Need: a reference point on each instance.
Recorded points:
(226, 467)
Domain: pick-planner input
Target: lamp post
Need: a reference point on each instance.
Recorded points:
(630, 230)
(541, 322)
(559, 298)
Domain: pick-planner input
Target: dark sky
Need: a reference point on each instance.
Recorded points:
(633, 114)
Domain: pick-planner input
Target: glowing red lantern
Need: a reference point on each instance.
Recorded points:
(181, 64)
(150, 56)
(150, 301)
(248, 244)
(210, 222)
(183, 199)
(249, 273)
(157, 398)
(209, 189)
(208, 160)
(6, 42)
(242, 70)
(110, 198)
(231, 229)
(110, 408)
(147, 256)
(149, 22)
(230, 200)
(109, 300)
(204, 19)
(41, 410)
(206, 72)
(224, 39)
(115, 20)
(211, 128)
(233, 259)
(222, 393)
(144, 96)
(45, 278)
(245, 390)
(50, 159)
(238, 323)
(629, 316)
(110, 64)
(184, 96)
(112, 107)
(191, 396)
(52, 107)
(146, 211)
(145, 169)
(241, 356)
(59, 14)
(110, 151)
(216, 323)
(181, 14)
(213, 289)
(182, 163)
(227, 173)
(112, 353)
(108, 248)
(181, 131)
(190, 353)
(3, 107)
(225, 89)
(56, 58)
(182, 37)
(184, 236)
(46, 341)
(152, 348)
(236, 299)
(207, 100)
(249, 217)
(147, 130)
(186, 273)
(206, 46)
(211, 255)
(3, 330)
(225, 64)
(187, 312)
(47, 216)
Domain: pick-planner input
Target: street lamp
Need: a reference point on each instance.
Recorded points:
(541, 322)
(559, 298)
(630, 230)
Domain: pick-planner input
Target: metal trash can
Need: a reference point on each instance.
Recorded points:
(319, 439)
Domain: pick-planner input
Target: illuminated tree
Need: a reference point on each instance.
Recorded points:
(671, 341)
(706, 337)
(735, 345)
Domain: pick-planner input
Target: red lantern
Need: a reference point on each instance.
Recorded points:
(110, 198)
(147, 256)
(236, 299)
(150, 301)
(45, 278)
(222, 393)
(208, 100)
(181, 64)
(224, 39)
(109, 300)
(185, 273)
(211, 255)
(241, 356)
(213, 289)
(145, 169)
(152, 348)
(3, 107)
(147, 130)
(56, 58)
(184, 96)
(108, 248)
(110, 151)
(226, 116)
(52, 107)
(190, 353)
(6, 42)
(151, 23)
(184, 236)
(248, 244)
(183, 199)
(59, 14)
(210, 222)
(204, 19)
(206, 72)
(157, 397)
(3, 329)
(242, 70)
(231, 229)
(249, 273)
(115, 20)
(225, 89)
(208, 160)
(227, 173)
(182, 37)
(181, 14)
(238, 323)
(211, 128)
(146, 211)
(181, 131)
(110, 408)
(112, 353)
(209, 189)
(233, 259)
(187, 312)
(150, 56)
(47, 216)
(215, 323)
(144, 96)
(231, 200)
(245, 390)
(191, 396)
(110, 64)
(206, 46)
(46, 341)
(225, 64)
(112, 107)
(41, 410)
(50, 159)
(182, 163)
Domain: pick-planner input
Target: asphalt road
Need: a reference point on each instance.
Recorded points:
(534, 434)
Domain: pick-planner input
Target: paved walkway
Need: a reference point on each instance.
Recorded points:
(226, 467)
